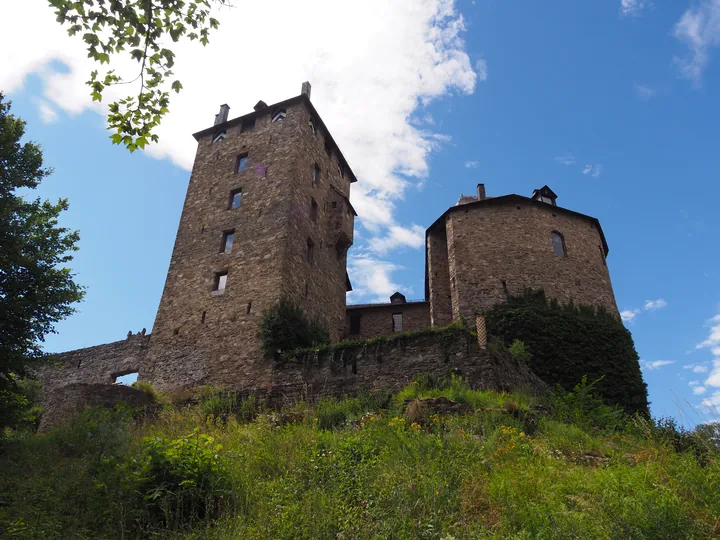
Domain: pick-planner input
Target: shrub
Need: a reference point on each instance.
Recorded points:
(147, 388)
(183, 480)
(286, 326)
(519, 351)
(584, 409)
(569, 342)
(218, 405)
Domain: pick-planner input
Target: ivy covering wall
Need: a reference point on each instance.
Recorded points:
(569, 342)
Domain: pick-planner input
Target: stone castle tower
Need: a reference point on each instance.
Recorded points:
(267, 214)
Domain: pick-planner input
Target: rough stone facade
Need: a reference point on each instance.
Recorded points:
(500, 247)
(291, 231)
(276, 181)
(377, 319)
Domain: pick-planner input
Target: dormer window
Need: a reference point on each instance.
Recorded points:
(220, 136)
(278, 115)
(544, 195)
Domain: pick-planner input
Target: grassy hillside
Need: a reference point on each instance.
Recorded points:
(500, 466)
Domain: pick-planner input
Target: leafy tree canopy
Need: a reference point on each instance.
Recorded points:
(138, 29)
(36, 290)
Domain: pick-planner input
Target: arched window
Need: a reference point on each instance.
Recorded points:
(558, 244)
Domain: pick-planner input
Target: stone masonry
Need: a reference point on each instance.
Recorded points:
(267, 214)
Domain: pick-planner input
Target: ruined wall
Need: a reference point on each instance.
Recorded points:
(511, 243)
(100, 364)
(394, 365)
(65, 402)
(377, 320)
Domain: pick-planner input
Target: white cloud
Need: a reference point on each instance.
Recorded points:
(696, 368)
(655, 364)
(47, 114)
(634, 8)
(593, 170)
(565, 160)
(398, 237)
(699, 29)
(628, 315)
(713, 343)
(369, 79)
(481, 69)
(694, 383)
(712, 402)
(698, 390)
(372, 277)
(644, 92)
(652, 305)
(471, 164)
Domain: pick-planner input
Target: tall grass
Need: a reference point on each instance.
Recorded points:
(361, 468)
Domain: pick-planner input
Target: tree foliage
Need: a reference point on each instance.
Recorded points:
(571, 342)
(138, 29)
(286, 326)
(36, 289)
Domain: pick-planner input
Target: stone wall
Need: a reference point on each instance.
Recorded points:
(395, 364)
(376, 320)
(99, 364)
(65, 402)
(496, 250)
(438, 277)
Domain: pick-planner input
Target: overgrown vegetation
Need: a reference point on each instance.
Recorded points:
(507, 466)
(584, 342)
(286, 326)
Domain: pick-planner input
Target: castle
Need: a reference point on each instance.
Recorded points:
(268, 215)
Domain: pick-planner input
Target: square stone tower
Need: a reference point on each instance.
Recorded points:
(267, 214)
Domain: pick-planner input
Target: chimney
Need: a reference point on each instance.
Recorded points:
(481, 192)
(260, 105)
(222, 116)
(306, 89)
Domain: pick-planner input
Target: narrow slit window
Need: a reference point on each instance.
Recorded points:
(311, 123)
(355, 324)
(316, 175)
(310, 251)
(249, 307)
(558, 244)
(241, 164)
(397, 322)
(227, 242)
(202, 320)
(341, 170)
(220, 282)
(235, 198)
(313, 209)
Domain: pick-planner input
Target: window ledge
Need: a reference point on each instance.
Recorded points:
(218, 293)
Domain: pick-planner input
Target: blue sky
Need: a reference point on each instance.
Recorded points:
(613, 104)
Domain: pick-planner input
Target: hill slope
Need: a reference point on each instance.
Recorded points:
(485, 466)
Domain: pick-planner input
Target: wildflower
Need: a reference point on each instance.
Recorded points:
(415, 426)
(315, 420)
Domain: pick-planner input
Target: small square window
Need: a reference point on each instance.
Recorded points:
(247, 125)
(334, 204)
(310, 251)
(220, 282)
(397, 322)
(313, 210)
(316, 175)
(227, 242)
(242, 161)
(235, 198)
